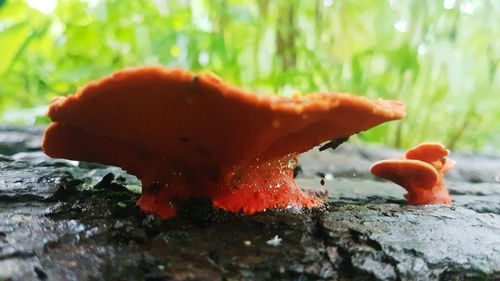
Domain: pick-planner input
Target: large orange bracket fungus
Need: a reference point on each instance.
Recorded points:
(185, 135)
(421, 172)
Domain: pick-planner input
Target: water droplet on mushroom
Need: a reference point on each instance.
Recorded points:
(276, 123)
(291, 164)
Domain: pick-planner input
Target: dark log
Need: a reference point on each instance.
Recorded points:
(60, 220)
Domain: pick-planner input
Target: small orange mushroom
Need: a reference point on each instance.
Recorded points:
(420, 172)
(186, 135)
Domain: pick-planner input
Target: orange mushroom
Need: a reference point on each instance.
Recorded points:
(187, 135)
(420, 172)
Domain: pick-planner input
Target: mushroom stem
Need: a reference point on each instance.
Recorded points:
(261, 185)
(250, 188)
(438, 194)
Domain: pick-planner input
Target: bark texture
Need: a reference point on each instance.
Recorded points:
(61, 220)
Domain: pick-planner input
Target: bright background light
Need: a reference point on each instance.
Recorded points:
(44, 6)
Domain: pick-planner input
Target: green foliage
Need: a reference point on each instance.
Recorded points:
(441, 59)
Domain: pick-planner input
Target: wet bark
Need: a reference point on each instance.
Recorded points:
(61, 220)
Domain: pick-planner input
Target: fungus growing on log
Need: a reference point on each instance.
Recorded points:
(421, 172)
(185, 135)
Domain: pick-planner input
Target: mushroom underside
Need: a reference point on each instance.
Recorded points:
(248, 187)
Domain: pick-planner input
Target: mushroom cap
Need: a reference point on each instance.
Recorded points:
(199, 119)
(428, 152)
(410, 174)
